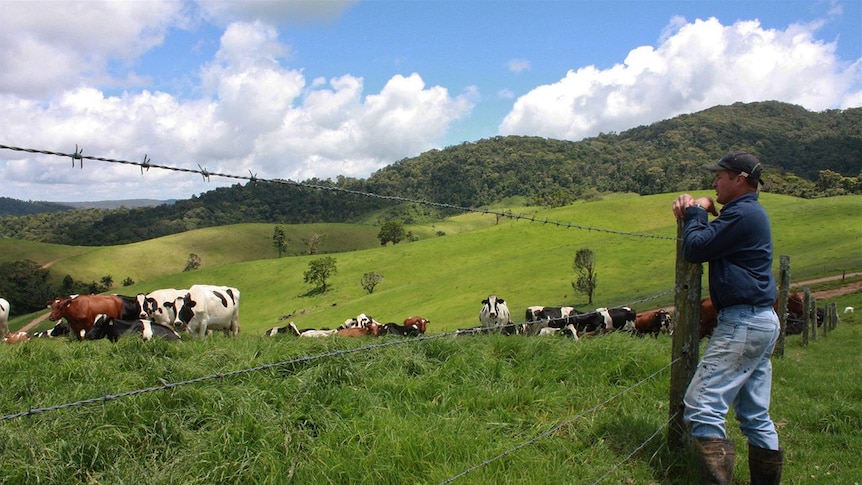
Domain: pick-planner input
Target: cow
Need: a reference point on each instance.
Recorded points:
(58, 330)
(16, 337)
(848, 309)
(4, 318)
(360, 321)
(420, 323)
(393, 328)
(279, 330)
(372, 328)
(652, 322)
(588, 323)
(131, 307)
(495, 315)
(114, 328)
(621, 318)
(158, 305)
(80, 311)
(538, 318)
(207, 307)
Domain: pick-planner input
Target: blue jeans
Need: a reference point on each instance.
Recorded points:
(736, 369)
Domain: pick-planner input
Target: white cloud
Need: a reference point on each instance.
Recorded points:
(50, 47)
(518, 65)
(696, 66)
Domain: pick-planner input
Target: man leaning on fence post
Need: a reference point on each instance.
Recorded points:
(736, 367)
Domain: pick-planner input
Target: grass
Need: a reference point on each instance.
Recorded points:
(520, 410)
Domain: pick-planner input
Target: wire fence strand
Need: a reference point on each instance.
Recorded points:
(146, 164)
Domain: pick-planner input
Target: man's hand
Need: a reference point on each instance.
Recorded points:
(686, 200)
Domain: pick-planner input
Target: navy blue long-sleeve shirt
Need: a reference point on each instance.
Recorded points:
(738, 247)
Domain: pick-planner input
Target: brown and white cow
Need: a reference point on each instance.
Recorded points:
(653, 322)
(81, 310)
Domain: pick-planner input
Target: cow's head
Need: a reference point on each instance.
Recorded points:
(100, 327)
(142, 304)
(184, 308)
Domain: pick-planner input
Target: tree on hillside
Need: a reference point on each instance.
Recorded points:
(193, 263)
(25, 285)
(278, 240)
(314, 242)
(319, 271)
(391, 231)
(107, 281)
(370, 281)
(585, 266)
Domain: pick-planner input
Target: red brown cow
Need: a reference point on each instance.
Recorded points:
(653, 322)
(81, 310)
(420, 323)
(372, 329)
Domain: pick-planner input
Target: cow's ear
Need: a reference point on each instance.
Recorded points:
(485, 301)
(500, 300)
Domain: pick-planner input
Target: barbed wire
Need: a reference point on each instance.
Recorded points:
(557, 426)
(78, 156)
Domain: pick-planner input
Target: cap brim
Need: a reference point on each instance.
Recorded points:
(714, 167)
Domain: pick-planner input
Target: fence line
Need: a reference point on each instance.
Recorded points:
(221, 375)
(146, 164)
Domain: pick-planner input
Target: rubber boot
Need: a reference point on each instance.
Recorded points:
(715, 459)
(765, 465)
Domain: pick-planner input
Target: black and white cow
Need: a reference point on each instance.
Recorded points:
(131, 307)
(4, 318)
(360, 321)
(495, 315)
(538, 318)
(393, 328)
(158, 305)
(58, 330)
(114, 328)
(621, 318)
(207, 307)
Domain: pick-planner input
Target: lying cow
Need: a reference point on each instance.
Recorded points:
(393, 328)
(360, 321)
(420, 323)
(16, 337)
(60, 329)
(372, 329)
(111, 328)
(207, 307)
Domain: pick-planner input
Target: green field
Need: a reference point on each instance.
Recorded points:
(425, 411)
(444, 278)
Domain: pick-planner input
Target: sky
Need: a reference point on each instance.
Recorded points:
(301, 88)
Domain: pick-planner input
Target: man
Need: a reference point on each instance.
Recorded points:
(735, 368)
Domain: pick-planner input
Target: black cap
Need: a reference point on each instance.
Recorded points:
(742, 163)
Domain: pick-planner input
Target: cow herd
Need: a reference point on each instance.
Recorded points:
(495, 316)
(202, 309)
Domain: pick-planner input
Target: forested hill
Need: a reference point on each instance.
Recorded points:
(806, 154)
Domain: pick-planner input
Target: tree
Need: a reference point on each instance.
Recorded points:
(391, 231)
(278, 240)
(107, 281)
(319, 270)
(314, 242)
(193, 263)
(370, 281)
(128, 281)
(585, 266)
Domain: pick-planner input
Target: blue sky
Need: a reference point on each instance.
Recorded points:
(300, 89)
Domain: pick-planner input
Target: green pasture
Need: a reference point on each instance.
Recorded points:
(464, 410)
(444, 278)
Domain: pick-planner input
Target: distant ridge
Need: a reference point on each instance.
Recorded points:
(116, 204)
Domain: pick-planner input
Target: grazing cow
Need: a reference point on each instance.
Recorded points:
(652, 322)
(417, 321)
(848, 309)
(80, 311)
(4, 318)
(60, 329)
(400, 330)
(538, 318)
(207, 307)
(495, 315)
(158, 305)
(16, 338)
(114, 328)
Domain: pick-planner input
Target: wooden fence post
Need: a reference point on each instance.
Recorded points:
(813, 311)
(685, 340)
(806, 315)
(827, 317)
(783, 293)
(835, 314)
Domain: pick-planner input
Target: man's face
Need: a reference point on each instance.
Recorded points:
(726, 184)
